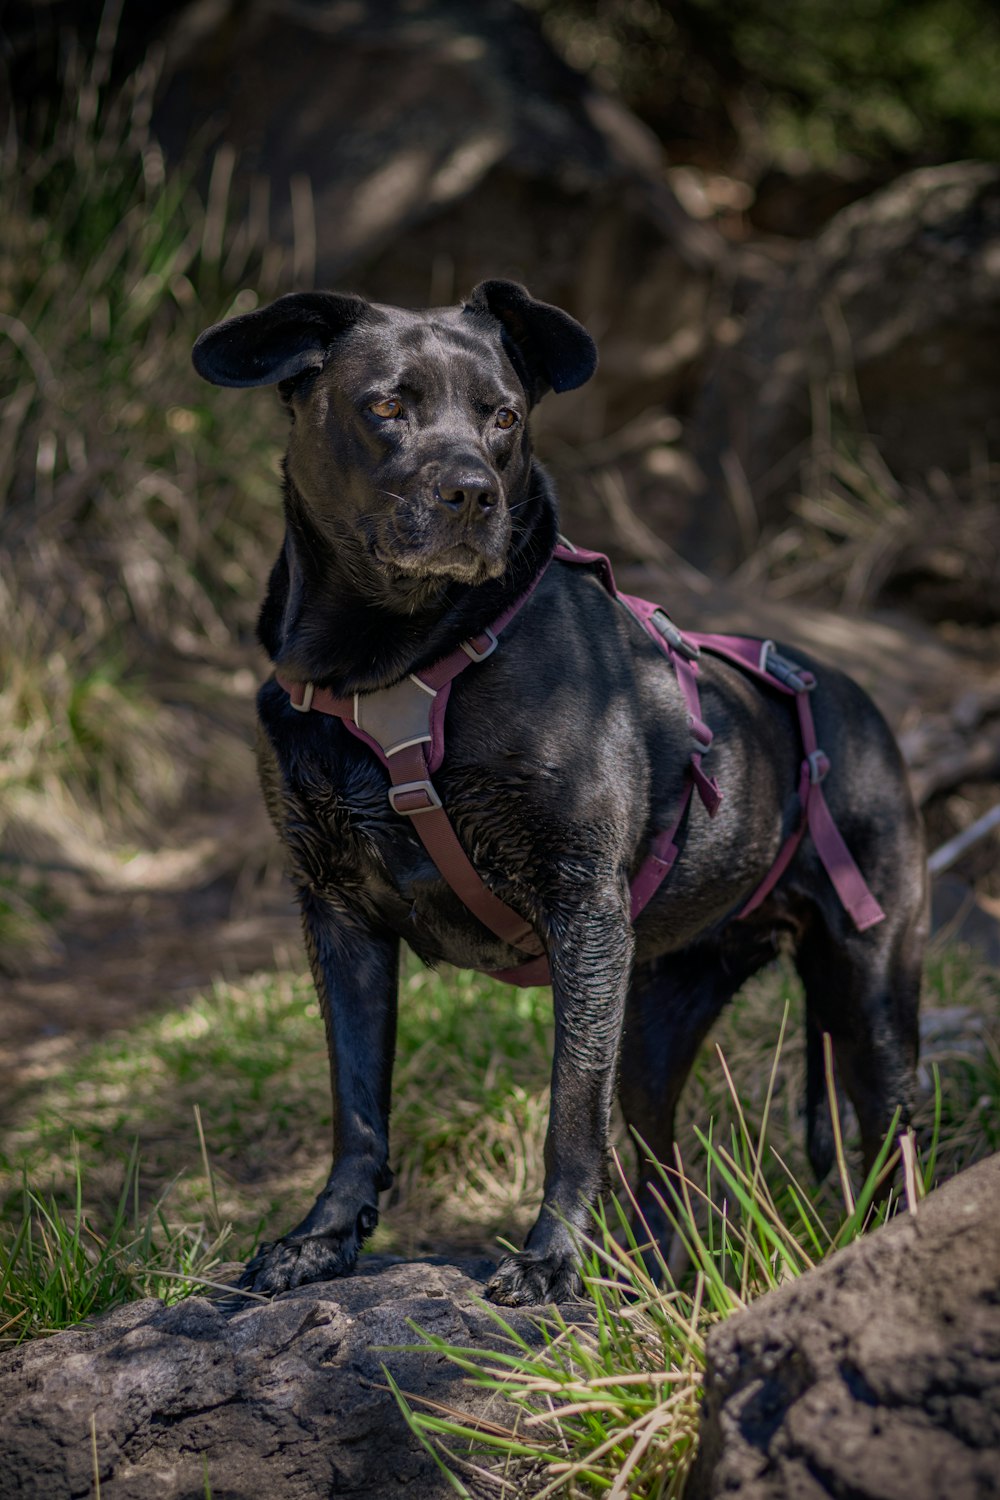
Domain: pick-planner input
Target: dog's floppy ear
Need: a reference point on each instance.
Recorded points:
(549, 349)
(278, 342)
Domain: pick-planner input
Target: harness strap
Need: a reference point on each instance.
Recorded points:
(647, 881)
(404, 726)
(413, 795)
(759, 659)
(660, 860)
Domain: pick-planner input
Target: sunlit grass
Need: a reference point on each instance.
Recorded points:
(57, 1267)
(608, 1402)
(470, 1103)
(469, 1107)
(160, 1156)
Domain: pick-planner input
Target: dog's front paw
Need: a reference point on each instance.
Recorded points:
(298, 1259)
(529, 1279)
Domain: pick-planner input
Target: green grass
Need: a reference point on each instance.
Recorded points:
(609, 1403)
(159, 1156)
(246, 1065)
(470, 1101)
(813, 85)
(58, 1268)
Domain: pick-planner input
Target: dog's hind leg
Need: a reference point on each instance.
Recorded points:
(672, 1003)
(864, 989)
(820, 1147)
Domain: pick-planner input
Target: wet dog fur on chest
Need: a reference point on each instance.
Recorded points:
(416, 514)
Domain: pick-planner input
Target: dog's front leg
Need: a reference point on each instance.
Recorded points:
(590, 963)
(356, 973)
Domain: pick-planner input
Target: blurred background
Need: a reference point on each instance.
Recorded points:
(779, 218)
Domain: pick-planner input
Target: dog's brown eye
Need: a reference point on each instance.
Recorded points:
(387, 409)
(506, 418)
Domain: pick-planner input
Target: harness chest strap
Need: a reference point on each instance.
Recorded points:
(404, 725)
(415, 797)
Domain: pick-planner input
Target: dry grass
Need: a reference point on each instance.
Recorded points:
(137, 510)
(227, 1099)
(611, 1403)
(859, 537)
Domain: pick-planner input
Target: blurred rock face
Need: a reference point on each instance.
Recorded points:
(411, 148)
(888, 324)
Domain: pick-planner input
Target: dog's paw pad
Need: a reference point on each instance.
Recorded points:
(529, 1280)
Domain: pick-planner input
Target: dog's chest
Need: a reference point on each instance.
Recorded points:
(341, 834)
(328, 797)
(513, 811)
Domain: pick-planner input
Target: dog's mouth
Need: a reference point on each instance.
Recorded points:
(415, 546)
(461, 561)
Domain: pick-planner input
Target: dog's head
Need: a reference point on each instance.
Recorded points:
(409, 440)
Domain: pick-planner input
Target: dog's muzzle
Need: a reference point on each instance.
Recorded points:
(459, 528)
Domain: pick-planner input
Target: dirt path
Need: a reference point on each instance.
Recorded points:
(132, 950)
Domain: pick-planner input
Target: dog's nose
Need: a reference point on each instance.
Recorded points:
(470, 493)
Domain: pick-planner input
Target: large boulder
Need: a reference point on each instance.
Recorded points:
(436, 143)
(876, 1376)
(287, 1400)
(889, 324)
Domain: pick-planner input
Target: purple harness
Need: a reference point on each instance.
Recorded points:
(404, 726)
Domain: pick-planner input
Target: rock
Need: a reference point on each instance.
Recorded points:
(876, 1376)
(404, 116)
(891, 321)
(287, 1400)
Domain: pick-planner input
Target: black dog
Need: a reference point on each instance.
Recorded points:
(416, 517)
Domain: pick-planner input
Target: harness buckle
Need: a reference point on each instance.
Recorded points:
(472, 651)
(307, 698)
(412, 788)
(664, 625)
(819, 767)
(701, 732)
(798, 679)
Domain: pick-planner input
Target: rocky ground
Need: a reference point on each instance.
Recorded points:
(287, 1399)
(877, 1376)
